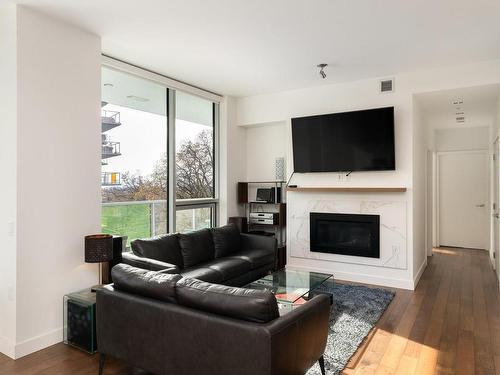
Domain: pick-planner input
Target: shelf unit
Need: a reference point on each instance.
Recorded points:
(348, 189)
(251, 205)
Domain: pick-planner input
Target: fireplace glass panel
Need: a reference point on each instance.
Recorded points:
(345, 234)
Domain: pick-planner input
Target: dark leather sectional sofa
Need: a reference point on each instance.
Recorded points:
(169, 324)
(219, 255)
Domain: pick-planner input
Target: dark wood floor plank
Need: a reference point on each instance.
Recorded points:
(449, 325)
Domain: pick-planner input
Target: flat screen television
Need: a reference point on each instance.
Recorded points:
(344, 142)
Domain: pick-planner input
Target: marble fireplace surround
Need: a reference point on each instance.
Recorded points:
(391, 208)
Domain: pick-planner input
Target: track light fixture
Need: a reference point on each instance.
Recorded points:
(322, 70)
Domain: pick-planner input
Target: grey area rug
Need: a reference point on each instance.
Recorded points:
(355, 311)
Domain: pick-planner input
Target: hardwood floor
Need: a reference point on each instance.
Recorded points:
(449, 325)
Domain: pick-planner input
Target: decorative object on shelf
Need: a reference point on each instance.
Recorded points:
(279, 168)
(80, 320)
(269, 195)
(98, 249)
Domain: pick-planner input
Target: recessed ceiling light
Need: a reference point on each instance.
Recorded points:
(137, 98)
(109, 85)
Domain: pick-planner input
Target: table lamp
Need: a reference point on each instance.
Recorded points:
(98, 249)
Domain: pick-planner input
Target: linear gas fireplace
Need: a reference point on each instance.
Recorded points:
(345, 234)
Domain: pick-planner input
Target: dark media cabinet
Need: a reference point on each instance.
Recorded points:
(247, 196)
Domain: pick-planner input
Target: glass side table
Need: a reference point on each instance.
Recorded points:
(80, 320)
(293, 288)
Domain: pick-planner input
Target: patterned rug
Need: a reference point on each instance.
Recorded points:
(355, 311)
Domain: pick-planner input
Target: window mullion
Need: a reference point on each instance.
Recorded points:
(172, 185)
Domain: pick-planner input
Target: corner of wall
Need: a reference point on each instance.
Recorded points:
(232, 152)
(8, 165)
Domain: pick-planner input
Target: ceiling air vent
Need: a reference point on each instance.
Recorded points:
(387, 85)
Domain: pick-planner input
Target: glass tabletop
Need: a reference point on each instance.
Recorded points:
(290, 286)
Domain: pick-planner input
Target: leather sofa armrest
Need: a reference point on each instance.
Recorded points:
(256, 242)
(302, 330)
(148, 263)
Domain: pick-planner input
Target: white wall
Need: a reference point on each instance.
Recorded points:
(8, 160)
(282, 106)
(495, 134)
(419, 191)
(232, 149)
(264, 143)
(462, 139)
(58, 171)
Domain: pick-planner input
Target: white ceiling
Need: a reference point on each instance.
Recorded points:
(247, 47)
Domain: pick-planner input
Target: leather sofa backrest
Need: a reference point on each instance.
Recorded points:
(245, 304)
(196, 247)
(152, 284)
(165, 248)
(227, 240)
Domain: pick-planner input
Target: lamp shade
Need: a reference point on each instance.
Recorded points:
(98, 248)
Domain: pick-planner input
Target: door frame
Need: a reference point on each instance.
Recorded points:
(438, 188)
(495, 202)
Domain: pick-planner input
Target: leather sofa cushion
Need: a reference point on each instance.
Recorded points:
(226, 239)
(203, 273)
(165, 248)
(150, 284)
(256, 258)
(196, 247)
(228, 267)
(245, 304)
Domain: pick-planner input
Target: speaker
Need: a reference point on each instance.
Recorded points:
(276, 194)
(240, 222)
(242, 192)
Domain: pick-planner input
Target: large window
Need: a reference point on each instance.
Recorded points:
(194, 162)
(140, 166)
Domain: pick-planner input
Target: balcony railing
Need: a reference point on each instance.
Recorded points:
(142, 219)
(109, 120)
(110, 178)
(110, 149)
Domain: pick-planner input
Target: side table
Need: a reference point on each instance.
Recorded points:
(80, 320)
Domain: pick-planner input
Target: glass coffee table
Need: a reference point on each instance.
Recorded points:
(291, 288)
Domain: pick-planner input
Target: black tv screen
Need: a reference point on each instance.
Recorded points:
(344, 142)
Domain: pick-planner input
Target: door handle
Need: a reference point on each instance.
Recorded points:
(480, 205)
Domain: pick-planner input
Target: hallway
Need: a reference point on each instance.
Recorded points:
(449, 325)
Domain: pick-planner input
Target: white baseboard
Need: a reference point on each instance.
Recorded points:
(37, 343)
(7, 348)
(361, 278)
(421, 270)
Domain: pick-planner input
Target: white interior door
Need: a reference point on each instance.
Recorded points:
(463, 186)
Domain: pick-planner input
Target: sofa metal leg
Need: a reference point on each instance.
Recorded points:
(102, 359)
(321, 362)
